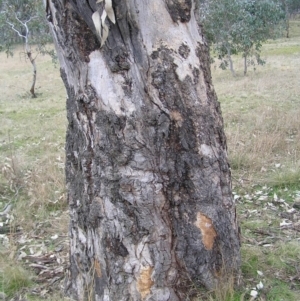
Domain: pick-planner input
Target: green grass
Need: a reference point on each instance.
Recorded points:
(295, 28)
(287, 178)
(32, 138)
(261, 115)
(280, 291)
(282, 50)
(14, 278)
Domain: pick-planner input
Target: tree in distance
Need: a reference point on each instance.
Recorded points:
(240, 26)
(23, 21)
(149, 188)
(291, 8)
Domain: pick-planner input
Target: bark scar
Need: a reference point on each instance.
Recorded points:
(145, 282)
(176, 116)
(98, 268)
(207, 230)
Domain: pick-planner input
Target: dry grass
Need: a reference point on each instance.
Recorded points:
(32, 166)
(261, 113)
(32, 132)
(262, 122)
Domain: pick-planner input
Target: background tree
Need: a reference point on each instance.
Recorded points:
(220, 19)
(291, 8)
(240, 26)
(23, 21)
(261, 21)
(149, 186)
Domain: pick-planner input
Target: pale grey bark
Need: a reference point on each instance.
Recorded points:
(27, 48)
(152, 213)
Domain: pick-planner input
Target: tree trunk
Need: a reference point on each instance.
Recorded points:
(230, 61)
(32, 61)
(148, 180)
(287, 18)
(245, 64)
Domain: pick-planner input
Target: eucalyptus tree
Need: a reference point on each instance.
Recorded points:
(240, 26)
(23, 21)
(149, 186)
(291, 8)
(220, 19)
(262, 20)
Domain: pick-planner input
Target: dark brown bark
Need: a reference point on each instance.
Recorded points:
(32, 61)
(148, 179)
(245, 64)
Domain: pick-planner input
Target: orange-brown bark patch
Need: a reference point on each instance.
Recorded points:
(207, 230)
(176, 116)
(98, 268)
(145, 282)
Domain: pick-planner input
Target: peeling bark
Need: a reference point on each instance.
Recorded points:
(148, 179)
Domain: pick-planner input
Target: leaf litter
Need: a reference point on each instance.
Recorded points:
(270, 221)
(41, 251)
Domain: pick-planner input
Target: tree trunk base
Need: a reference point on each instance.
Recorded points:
(149, 188)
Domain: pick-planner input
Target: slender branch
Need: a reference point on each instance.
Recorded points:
(27, 30)
(36, 55)
(13, 28)
(27, 47)
(25, 22)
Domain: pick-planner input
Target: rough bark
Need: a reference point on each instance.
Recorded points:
(149, 186)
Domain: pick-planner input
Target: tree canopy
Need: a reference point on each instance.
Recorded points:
(240, 26)
(23, 21)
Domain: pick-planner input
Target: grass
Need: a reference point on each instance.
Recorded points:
(261, 113)
(32, 138)
(13, 278)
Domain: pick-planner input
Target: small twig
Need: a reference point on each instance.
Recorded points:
(262, 232)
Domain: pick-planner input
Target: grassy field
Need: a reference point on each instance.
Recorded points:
(32, 137)
(262, 120)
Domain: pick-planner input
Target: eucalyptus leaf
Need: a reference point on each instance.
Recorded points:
(109, 10)
(105, 29)
(97, 22)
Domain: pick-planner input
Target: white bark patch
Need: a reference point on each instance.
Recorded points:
(109, 209)
(81, 236)
(143, 253)
(156, 35)
(108, 85)
(185, 65)
(142, 176)
(106, 295)
(80, 285)
(202, 87)
(207, 150)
